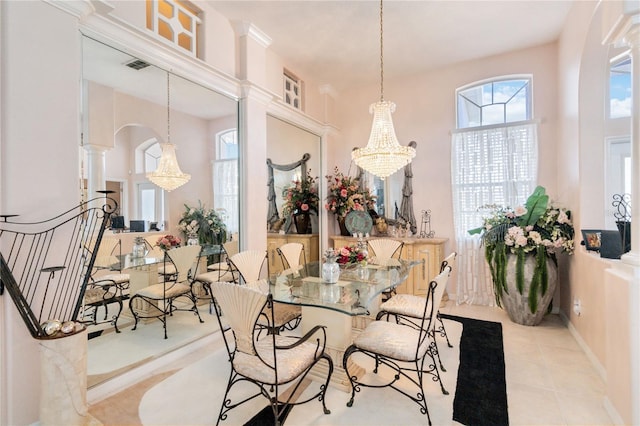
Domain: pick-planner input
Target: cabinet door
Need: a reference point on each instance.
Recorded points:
(431, 256)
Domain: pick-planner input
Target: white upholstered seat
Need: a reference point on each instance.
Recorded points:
(271, 361)
(389, 343)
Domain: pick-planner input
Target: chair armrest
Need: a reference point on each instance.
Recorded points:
(308, 336)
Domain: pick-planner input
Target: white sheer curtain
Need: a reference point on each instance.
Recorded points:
(225, 192)
(489, 165)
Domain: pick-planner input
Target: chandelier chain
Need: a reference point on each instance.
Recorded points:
(168, 110)
(381, 57)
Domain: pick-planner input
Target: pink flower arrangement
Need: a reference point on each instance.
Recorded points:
(301, 197)
(351, 254)
(167, 242)
(345, 195)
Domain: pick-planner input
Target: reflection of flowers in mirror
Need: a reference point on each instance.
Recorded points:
(207, 224)
(167, 242)
(301, 197)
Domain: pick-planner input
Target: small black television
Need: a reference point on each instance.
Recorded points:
(136, 226)
(117, 222)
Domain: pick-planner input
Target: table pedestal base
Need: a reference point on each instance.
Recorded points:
(339, 337)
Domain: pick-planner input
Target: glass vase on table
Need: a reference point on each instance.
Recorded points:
(330, 267)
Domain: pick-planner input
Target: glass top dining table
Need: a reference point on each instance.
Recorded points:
(353, 294)
(129, 261)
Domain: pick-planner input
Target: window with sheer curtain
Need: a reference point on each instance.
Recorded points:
(493, 163)
(225, 179)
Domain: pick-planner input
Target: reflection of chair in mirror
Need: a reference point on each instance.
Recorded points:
(290, 254)
(383, 251)
(406, 357)
(165, 270)
(160, 299)
(222, 266)
(271, 362)
(249, 264)
(218, 272)
(105, 288)
(109, 258)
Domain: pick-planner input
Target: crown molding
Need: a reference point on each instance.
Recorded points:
(245, 28)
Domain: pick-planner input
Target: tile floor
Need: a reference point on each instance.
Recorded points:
(550, 381)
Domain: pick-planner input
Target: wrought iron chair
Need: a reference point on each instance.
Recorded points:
(219, 272)
(408, 307)
(290, 255)
(105, 289)
(402, 350)
(271, 362)
(158, 299)
(248, 265)
(385, 251)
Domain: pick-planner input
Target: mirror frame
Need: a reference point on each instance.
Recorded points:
(272, 214)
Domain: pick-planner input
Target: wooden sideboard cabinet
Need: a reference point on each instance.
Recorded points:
(309, 241)
(429, 250)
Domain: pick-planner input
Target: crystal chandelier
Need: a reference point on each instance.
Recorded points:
(168, 175)
(383, 155)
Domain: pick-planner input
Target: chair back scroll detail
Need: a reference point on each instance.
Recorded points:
(46, 265)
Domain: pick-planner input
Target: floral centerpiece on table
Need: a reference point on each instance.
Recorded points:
(301, 197)
(538, 228)
(345, 195)
(351, 254)
(167, 242)
(205, 223)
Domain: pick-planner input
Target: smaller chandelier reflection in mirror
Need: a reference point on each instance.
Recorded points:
(168, 175)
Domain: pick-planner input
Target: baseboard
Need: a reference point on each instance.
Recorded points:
(613, 413)
(110, 387)
(585, 348)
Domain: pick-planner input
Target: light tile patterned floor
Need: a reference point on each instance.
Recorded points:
(550, 381)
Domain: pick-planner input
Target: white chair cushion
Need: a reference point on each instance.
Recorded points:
(215, 277)
(283, 314)
(156, 291)
(117, 278)
(93, 295)
(405, 304)
(219, 266)
(392, 340)
(291, 362)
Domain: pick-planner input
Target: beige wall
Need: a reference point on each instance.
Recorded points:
(426, 113)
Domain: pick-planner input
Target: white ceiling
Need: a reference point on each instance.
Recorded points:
(338, 42)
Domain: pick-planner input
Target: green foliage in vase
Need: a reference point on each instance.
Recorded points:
(536, 229)
(206, 223)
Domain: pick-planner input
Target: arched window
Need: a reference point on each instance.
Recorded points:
(494, 102)
(494, 161)
(225, 178)
(152, 157)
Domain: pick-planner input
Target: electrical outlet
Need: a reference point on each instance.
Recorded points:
(577, 307)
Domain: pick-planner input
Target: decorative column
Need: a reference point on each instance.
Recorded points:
(632, 39)
(63, 380)
(96, 169)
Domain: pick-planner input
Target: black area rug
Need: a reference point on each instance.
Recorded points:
(481, 390)
(265, 416)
